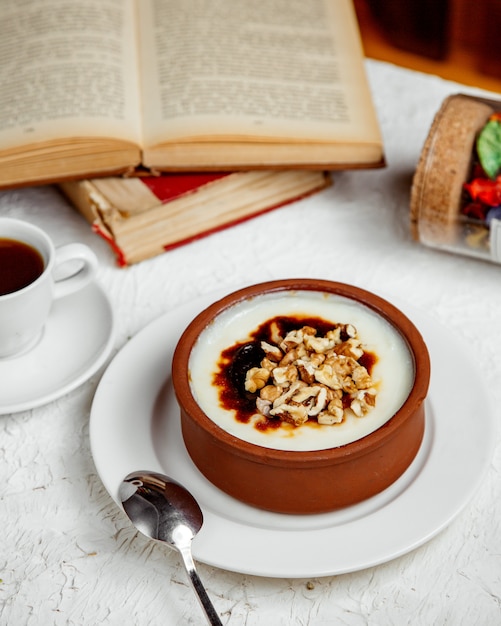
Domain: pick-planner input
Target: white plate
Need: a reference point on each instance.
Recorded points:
(135, 426)
(76, 341)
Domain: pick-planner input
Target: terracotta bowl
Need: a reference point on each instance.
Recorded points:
(305, 481)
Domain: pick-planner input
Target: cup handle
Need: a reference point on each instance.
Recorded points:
(85, 262)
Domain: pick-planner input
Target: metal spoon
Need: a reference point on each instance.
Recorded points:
(164, 510)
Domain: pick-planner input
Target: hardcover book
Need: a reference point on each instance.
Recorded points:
(143, 217)
(99, 87)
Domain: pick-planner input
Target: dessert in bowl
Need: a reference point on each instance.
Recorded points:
(301, 396)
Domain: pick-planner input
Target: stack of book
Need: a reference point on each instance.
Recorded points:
(261, 102)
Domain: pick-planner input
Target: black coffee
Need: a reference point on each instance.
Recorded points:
(20, 265)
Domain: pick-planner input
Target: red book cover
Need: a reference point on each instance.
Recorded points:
(170, 186)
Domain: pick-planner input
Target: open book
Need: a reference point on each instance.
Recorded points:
(95, 87)
(143, 217)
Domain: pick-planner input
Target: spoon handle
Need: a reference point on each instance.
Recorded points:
(208, 608)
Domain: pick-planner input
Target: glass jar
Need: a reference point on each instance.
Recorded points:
(443, 212)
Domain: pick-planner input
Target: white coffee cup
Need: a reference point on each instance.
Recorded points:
(24, 312)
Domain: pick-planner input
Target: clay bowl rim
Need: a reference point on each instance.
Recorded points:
(325, 456)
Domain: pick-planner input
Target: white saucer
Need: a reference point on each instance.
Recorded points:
(76, 341)
(134, 425)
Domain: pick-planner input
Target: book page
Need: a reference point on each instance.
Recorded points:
(266, 69)
(67, 68)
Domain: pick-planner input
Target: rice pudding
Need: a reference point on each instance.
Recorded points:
(391, 371)
(312, 467)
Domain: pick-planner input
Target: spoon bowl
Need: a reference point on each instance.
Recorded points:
(162, 509)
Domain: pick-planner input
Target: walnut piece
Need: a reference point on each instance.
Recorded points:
(303, 376)
(256, 378)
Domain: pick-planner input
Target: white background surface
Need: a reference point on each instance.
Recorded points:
(68, 555)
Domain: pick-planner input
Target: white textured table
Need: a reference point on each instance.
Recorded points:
(67, 553)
